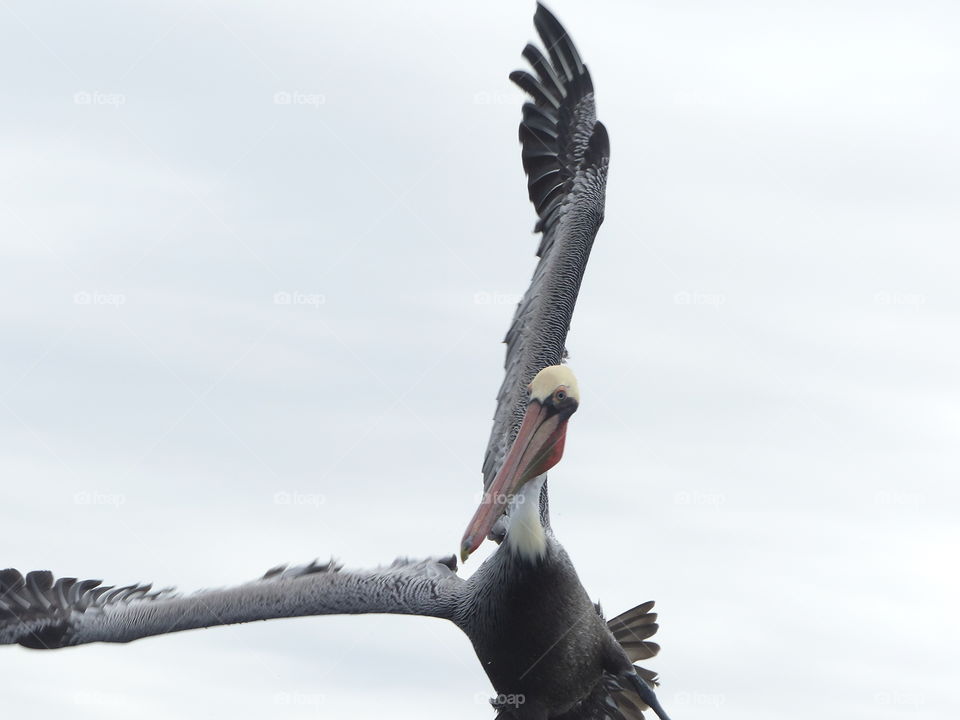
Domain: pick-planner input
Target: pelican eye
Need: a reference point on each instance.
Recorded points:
(560, 395)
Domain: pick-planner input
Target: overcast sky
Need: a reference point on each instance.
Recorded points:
(256, 266)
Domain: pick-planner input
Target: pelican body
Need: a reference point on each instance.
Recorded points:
(543, 643)
(538, 635)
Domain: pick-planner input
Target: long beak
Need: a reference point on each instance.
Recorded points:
(537, 448)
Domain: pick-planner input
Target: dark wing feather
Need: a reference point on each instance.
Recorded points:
(39, 613)
(565, 154)
(632, 628)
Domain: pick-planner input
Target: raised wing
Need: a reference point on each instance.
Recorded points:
(565, 155)
(38, 612)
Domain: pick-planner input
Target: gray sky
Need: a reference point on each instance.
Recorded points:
(767, 340)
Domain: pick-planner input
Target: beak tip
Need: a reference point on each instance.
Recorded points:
(465, 549)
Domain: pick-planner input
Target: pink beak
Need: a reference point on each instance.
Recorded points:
(537, 448)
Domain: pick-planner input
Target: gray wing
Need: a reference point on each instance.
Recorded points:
(565, 156)
(38, 612)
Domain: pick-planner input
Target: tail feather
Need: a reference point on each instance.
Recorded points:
(632, 628)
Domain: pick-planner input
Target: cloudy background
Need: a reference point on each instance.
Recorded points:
(767, 340)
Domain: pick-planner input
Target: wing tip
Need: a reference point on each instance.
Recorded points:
(551, 125)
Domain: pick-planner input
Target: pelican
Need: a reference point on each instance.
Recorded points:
(541, 640)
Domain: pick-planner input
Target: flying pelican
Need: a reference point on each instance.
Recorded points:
(541, 640)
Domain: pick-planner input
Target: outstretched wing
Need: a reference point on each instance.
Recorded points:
(565, 155)
(38, 612)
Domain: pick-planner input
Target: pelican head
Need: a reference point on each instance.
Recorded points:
(554, 397)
